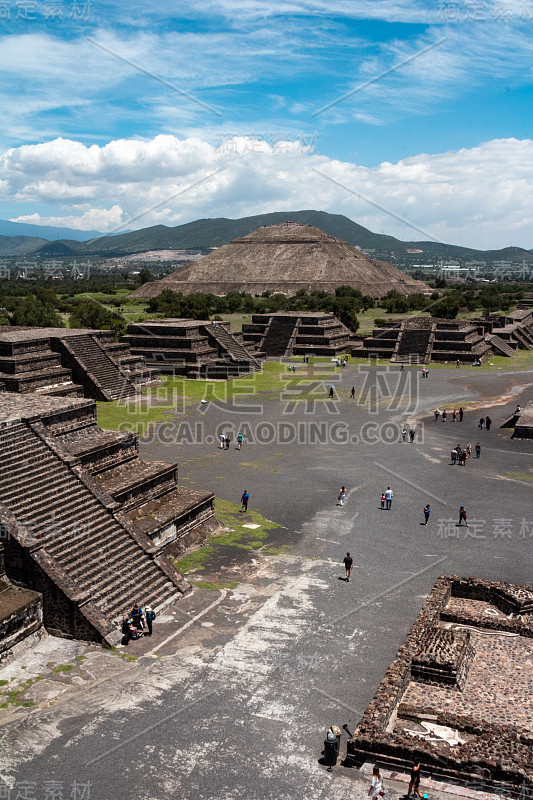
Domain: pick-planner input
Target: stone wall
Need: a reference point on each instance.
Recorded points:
(493, 755)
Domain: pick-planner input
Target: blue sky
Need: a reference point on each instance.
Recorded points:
(376, 110)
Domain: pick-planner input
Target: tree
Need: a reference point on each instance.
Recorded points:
(447, 308)
(145, 276)
(34, 313)
(88, 314)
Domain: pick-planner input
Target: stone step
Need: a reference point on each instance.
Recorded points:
(89, 529)
(29, 485)
(85, 571)
(64, 496)
(120, 601)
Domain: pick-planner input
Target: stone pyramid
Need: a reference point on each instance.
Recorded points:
(285, 258)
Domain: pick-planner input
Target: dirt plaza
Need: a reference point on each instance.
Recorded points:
(242, 679)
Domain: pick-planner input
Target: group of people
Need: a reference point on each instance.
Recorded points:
(225, 441)
(377, 790)
(459, 454)
(137, 622)
(412, 434)
(339, 363)
(444, 414)
(485, 422)
(425, 372)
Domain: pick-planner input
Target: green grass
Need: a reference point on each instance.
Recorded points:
(519, 476)
(238, 536)
(63, 668)
(207, 585)
(178, 395)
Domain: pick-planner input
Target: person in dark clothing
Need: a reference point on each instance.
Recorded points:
(331, 390)
(461, 415)
(482, 423)
(478, 450)
(244, 500)
(352, 393)
(427, 512)
(228, 441)
(412, 434)
(137, 616)
(414, 783)
(462, 516)
(150, 616)
(488, 422)
(348, 561)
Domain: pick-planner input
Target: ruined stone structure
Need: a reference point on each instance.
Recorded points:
(447, 697)
(285, 258)
(290, 333)
(192, 348)
(65, 362)
(522, 423)
(425, 339)
(88, 524)
(21, 610)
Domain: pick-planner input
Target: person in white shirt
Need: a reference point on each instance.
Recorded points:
(376, 786)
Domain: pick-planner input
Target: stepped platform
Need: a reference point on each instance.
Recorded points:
(291, 333)
(456, 696)
(66, 490)
(70, 362)
(522, 423)
(192, 348)
(420, 340)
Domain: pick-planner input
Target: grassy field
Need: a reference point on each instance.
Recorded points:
(177, 395)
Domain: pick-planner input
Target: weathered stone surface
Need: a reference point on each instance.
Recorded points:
(492, 709)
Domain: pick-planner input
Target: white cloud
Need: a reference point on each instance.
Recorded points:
(478, 197)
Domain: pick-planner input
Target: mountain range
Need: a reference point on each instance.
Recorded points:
(206, 234)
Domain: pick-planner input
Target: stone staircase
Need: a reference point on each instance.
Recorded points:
(413, 345)
(87, 553)
(108, 381)
(499, 346)
(229, 344)
(278, 336)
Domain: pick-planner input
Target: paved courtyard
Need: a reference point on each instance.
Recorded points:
(245, 681)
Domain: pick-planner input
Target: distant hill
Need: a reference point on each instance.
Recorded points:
(47, 232)
(205, 234)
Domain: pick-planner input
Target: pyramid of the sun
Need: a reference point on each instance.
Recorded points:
(285, 258)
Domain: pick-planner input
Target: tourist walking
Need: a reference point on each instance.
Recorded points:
(478, 450)
(331, 391)
(348, 561)
(454, 455)
(482, 423)
(382, 499)
(404, 435)
(244, 501)
(352, 393)
(488, 422)
(376, 785)
(462, 516)
(412, 434)
(437, 414)
(414, 782)
(427, 512)
(388, 498)
(468, 450)
(460, 414)
(239, 441)
(457, 363)
(454, 415)
(342, 496)
(222, 440)
(228, 441)
(444, 415)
